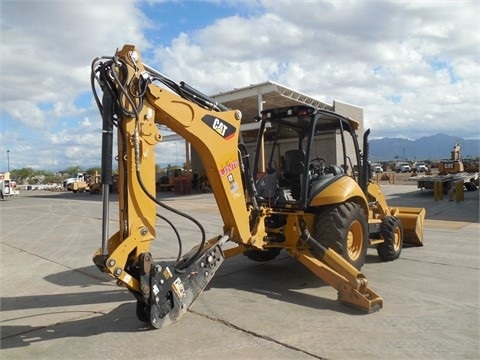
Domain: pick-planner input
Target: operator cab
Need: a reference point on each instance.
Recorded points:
(298, 145)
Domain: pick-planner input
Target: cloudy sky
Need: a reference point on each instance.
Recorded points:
(412, 65)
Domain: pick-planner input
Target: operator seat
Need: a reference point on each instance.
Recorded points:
(293, 165)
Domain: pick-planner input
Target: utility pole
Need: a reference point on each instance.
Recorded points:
(8, 160)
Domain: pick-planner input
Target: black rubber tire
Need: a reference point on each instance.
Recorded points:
(392, 233)
(344, 228)
(470, 186)
(262, 256)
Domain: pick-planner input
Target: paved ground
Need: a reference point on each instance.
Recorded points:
(56, 305)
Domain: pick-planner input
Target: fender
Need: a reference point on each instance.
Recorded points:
(336, 190)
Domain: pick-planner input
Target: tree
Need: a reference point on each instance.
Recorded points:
(51, 178)
(21, 175)
(73, 170)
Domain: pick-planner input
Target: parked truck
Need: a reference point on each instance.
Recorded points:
(8, 187)
(68, 183)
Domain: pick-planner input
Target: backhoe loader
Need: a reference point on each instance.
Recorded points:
(324, 215)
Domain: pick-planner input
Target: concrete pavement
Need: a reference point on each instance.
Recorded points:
(55, 304)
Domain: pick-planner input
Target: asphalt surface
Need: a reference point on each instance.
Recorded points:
(55, 304)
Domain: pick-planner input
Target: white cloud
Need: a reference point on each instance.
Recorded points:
(365, 53)
(47, 47)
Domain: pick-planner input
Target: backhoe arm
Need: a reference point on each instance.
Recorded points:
(135, 104)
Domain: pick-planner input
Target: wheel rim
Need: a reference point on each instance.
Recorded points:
(396, 238)
(355, 240)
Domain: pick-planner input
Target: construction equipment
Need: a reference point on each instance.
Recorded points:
(451, 172)
(79, 186)
(94, 185)
(295, 212)
(454, 165)
(470, 165)
(166, 181)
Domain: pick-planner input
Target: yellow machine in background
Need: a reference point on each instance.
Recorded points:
(320, 213)
(454, 165)
(470, 165)
(166, 179)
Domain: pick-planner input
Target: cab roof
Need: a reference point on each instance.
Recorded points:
(298, 118)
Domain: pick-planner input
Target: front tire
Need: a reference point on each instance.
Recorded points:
(344, 228)
(392, 233)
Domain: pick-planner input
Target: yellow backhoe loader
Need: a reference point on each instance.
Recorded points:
(323, 214)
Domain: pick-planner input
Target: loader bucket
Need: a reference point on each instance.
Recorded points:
(412, 220)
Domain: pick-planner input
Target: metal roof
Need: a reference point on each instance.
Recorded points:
(250, 100)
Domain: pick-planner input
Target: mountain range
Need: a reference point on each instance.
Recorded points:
(435, 147)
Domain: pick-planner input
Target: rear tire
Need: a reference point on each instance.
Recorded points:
(344, 228)
(392, 233)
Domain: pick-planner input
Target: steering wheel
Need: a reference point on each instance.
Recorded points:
(317, 167)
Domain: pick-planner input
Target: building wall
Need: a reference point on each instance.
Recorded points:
(352, 112)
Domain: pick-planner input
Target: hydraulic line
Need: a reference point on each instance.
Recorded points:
(178, 212)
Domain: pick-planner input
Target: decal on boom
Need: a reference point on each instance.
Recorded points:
(223, 129)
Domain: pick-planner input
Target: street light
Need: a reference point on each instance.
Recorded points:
(8, 160)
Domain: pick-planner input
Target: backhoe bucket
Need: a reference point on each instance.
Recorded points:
(412, 220)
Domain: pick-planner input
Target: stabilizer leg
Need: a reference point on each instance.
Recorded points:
(351, 284)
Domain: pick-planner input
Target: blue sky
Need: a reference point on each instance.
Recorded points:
(413, 66)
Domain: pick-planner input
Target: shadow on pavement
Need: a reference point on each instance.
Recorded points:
(283, 279)
(120, 319)
(85, 276)
(58, 300)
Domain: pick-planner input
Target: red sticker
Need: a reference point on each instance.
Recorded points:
(229, 168)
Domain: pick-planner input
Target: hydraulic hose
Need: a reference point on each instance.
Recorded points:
(180, 213)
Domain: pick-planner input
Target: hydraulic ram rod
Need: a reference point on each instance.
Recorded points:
(107, 153)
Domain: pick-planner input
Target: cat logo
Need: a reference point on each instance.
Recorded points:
(223, 129)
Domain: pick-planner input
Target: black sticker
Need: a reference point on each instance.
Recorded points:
(222, 128)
